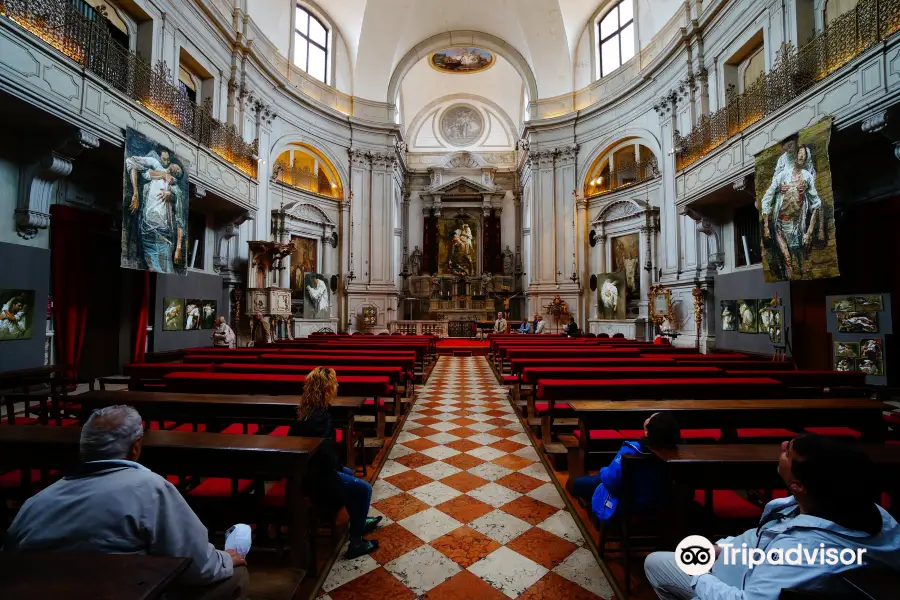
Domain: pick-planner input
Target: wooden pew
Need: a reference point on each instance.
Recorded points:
(727, 416)
(143, 374)
(262, 458)
(217, 411)
(269, 384)
(88, 575)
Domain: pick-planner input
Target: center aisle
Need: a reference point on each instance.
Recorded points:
(469, 510)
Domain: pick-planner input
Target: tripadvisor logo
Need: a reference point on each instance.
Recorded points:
(695, 555)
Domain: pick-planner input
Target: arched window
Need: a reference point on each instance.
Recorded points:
(616, 37)
(836, 8)
(303, 167)
(311, 44)
(625, 163)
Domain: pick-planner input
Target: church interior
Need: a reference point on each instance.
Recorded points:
(414, 299)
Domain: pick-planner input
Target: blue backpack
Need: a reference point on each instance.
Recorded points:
(606, 497)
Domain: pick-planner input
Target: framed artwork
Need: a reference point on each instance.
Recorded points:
(870, 366)
(304, 259)
(316, 296)
(871, 348)
(842, 304)
(461, 60)
(369, 316)
(191, 314)
(843, 349)
(462, 125)
(867, 303)
(771, 322)
(747, 316)
(661, 305)
(844, 364)
(16, 314)
(173, 314)
(611, 295)
(154, 207)
(857, 322)
(458, 246)
(626, 252)
(727, 315)
(796, 206)
(208, 314)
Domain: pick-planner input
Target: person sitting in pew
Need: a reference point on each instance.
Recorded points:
(114, 505)
(831, 508)
(525, 327)
(601, 491)
(335, 485)
(539, 324)
(571, 330)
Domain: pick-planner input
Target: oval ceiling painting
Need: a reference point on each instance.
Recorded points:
(461, 60)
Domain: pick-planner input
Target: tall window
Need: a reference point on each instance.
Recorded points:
(311, 45)
(616, 37)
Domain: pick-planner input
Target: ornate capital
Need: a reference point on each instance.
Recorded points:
(198, 191)
(875, 123)
(383, 160)
(541, 159)
(359, 159)
(567, 155)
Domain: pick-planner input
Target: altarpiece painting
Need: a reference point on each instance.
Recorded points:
(457, 246)
(154, 207)
(796, 207)
(626, 252)
(304, 259)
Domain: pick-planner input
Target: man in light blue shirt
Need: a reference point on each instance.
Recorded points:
(525, 327)
(114, 505)
(831, 508)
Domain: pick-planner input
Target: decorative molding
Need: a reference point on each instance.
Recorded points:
(38, 187)
(359, 159)
(464, 160)
(715, 257)
(198, 191)
(383, 160)
(567, 155)
(623, 209)
(885, 124)
(310, 213)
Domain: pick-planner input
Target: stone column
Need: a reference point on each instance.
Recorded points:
(542, 270)
(359, 216)
(646, 253)
(601, 244)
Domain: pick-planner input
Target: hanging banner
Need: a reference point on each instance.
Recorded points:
(154, 207)
(796, 207)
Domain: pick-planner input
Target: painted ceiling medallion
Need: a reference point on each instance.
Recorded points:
(461, 60)
(462, 125)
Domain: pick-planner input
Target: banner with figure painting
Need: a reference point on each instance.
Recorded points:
(796, 207)
(154, 207)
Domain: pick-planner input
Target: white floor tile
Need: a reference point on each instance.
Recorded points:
(563, 525)
(494, 494)
(508, 571)
(582, 568)
(345, 570)
(429, 524)
(500, 526)
(422, 569)
(547, 493)
(435, 493)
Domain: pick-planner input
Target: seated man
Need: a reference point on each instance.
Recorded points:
(500, 324)
(525, 327)
(571, 329)
(831, 507)
(114, 505)
(539, 324)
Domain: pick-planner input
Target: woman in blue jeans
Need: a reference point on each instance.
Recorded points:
(334, 484)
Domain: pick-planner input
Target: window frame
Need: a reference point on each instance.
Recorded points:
(615, 34)
(305, 37)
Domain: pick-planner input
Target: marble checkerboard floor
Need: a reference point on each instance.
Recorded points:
(469, 510)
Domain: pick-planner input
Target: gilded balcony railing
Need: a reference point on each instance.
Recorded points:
(303, 178)
(622, 176)
(793, 73)
(89, 43)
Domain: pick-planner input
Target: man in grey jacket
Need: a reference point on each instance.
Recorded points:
(114, 505)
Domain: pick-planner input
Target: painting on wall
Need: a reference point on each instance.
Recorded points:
(192, 318)
(771, 322)
(304, 259)
(796, 207)
(842, 349)
(173, 314)
(316, 297)
(16, 314)
(457, 246)
(626, 253)
(857, 322)
(728, 315)
(870, 366)
(154, 207)
(842, 304)
(461, 60)
(747, 316)
(844, 364)
(612, 295)
(462, 125)
(864, 303)
(871, 348)
(208, 314)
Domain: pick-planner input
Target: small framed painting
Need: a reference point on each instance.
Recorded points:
(857, 322)
(871, 348)
(208, 314)
(728, 315)
(16, 314)
(747, 316)
(191, 314)
(844, 349)
(173, 314)
(864, 303)
(842, 304)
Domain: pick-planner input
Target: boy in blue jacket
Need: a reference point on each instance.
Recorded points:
(826, 512)
(602, 491)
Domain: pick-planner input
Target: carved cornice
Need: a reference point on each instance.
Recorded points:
(359, 159)
(567, 155)
(383, 160)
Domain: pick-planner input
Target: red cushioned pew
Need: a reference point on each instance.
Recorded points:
(270, 384)
(148, 374)
(809, 379)
(587, 352)
(735, 365)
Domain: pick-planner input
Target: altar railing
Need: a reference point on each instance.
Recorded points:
(438, 328)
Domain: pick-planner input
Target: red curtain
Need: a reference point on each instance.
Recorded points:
(69, 267)
(141, 321)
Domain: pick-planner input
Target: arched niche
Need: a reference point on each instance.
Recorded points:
(338, 162)
(305, 167)
(627, 161)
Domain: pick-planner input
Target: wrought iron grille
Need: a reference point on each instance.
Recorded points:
(303, 178)
(89, 43)
(623, 176)
(793, 73)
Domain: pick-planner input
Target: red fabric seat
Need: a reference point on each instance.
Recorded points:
(280, 430)
(24, 421)
(761, 432)
(728, 504)
(275, 495)
(219, 487)
(601, 434)
(545, 406)
(510, 379)
(238, 428)
(834, 431)
(64, 423)
(189, 428)
(371, 402)
(13, 479)
(632, 434)
(701, 434)
(892, 418)
(154, 426)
